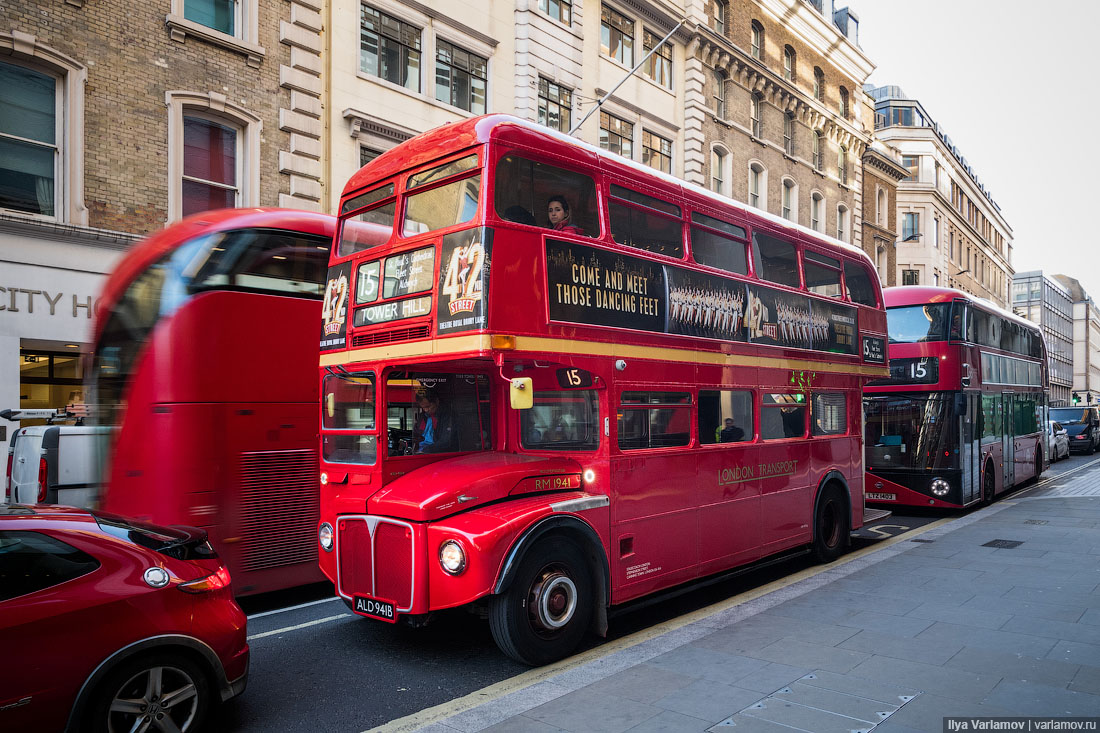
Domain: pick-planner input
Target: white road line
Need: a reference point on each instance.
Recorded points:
(299, 626)
(292, 608)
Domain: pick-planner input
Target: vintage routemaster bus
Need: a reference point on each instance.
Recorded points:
(198, 364)
(960, 418)
(543, 407)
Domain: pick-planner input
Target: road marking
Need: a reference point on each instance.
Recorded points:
(299, 626)
(534, 676)
(292, 608)
(877, 529)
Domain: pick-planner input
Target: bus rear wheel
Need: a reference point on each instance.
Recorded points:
(544, 613)
(989, 485)
(830, 525)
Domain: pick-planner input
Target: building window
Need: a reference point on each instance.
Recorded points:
(656, 151)
(910, 277)
(721, 12)
(819, 84)
(460, 77)
(720, 94)
(936, 279)
(555, 105)
(221, 15)
(559, 10)
(658, 67)
(29, 140)
(880, 208)
(717, 171)
(757, 112)
(617, 36)
(389, 49)
(757, 186)
(842, 223)
(817, 205)
(912, 163)
(842, 164)
(819, 151)
(757, 41)
(789, 64)
(910, 226)
(214, 149)
(935, 232)
(844, 107)
(616, 135)
(790, 200)
(788, 133)
(366, 155)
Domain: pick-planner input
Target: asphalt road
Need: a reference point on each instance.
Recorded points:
(316, 666)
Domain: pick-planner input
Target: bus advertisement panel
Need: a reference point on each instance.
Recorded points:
(614, 383)
(960, 418)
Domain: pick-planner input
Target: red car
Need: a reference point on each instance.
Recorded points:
(109, 624)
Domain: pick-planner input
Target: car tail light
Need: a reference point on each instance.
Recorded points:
(42, 470)
(214, 581)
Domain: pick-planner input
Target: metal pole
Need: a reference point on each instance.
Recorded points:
(623, 81)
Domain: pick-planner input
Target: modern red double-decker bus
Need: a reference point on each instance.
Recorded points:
(960, 418)
(544, 421)
(204, 363)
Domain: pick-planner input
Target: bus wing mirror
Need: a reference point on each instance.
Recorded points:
(960, 405)
(521, 393)
(330, 404)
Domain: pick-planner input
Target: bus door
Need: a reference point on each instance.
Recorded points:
(1008, 440)
(970, 460)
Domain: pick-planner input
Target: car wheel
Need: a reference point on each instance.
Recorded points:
(830, 525)
(544, 613)
(162, 692)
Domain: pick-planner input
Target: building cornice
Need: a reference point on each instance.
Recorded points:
(67, 233)
(884, 163)
(618, 101)
(361, 122)
(818, 32)
(447, 20)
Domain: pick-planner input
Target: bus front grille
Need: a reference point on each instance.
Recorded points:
(279, 508)
(379, 566)
(389, 337)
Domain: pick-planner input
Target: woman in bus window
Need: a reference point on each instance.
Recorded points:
(557, 209)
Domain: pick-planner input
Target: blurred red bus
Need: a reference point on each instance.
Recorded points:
(660, 390)
(204, 361)
(961, 417)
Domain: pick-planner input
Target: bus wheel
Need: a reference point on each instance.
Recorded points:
(830, 525)
(543, 615)
(989, 485)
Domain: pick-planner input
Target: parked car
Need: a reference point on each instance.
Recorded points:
(56, 464)
(1082, 425)
(1057, 441)
(113, 624)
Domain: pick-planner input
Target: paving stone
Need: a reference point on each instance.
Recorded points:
(954, 683)
(708, 700)
(643, 682)
(801, 717)
(1014, 666)
(767, 626)
(992, 639)
(1075, 652)
(1088, 633)
(908, 626)
(813, 656)
(699, 663)
(872, 689)
(918, 649)
(770, 678)
(1087, 680)
(926, 713)
(1054, 612)
(1091, 616)
(746, 724)
(670, 722)
(585, 710)
(1036, 699)
(1060, 594)
(956, 614)
(841, 703)
(516, 724)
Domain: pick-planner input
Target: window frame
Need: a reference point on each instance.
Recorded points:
(720, 78)
(648, 152)
(455, 69)
(245, 39)
(665, 79)
(419, 76)
(563, 105)
(622, 123)
(756, 43)
(790, 61)
(756, 114)
(614, 22)
(565, 8)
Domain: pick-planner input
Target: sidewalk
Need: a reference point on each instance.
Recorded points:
(994, 614)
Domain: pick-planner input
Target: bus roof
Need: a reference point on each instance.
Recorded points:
(154, 247)
(901, 295)
(453, 137)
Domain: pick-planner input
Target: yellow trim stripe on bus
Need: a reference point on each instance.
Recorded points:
(461, 344)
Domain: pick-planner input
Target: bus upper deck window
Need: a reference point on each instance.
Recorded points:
(822, 274)
(443, 206)
(650, 223)
(523, 190)
(371, 227)
(775, 260)
(713, 249)
(859, 285)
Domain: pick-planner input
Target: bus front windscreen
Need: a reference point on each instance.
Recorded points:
(914, 323)
(914, 432)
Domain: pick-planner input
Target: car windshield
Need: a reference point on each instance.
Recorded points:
(912, 323)
(1069, 415)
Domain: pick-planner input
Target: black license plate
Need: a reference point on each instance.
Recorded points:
(374, 608)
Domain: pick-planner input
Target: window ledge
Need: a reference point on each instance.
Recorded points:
(179, 28)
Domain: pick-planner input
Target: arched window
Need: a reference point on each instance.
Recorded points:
(720, 94)
(819, 84)
(789, 58)
(757, 113)
(788, 133)
(758, 185)
(721, 13)
(718, 158)
(842, 165)
(817, 212)
(844, 107)
(842, 230)
(880, 208)
(757, 47)
(789, 209)
(819, 151)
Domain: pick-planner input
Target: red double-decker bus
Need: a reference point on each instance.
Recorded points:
(960, 418)
(555, 381)
(204, 364)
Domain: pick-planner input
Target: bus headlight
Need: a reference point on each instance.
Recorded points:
(452, 558)
(940, 487)
(326, 537)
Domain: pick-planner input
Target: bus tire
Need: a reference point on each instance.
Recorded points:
(989, 484)
(543, 614)
(830, 525)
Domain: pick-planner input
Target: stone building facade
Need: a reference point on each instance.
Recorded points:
(1086, 341)
(881, 173)
(105, 97)
(776, 113)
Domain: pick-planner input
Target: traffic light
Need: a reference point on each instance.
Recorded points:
(1076, 398)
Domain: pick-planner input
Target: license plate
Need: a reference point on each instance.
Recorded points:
(374, 608)
(872, 496)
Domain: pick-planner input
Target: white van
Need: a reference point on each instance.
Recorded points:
(56, 464)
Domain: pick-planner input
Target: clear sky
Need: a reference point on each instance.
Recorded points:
(1014, 85)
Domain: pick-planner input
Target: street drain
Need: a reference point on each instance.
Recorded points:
(1036, 521)
(1003, 544)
